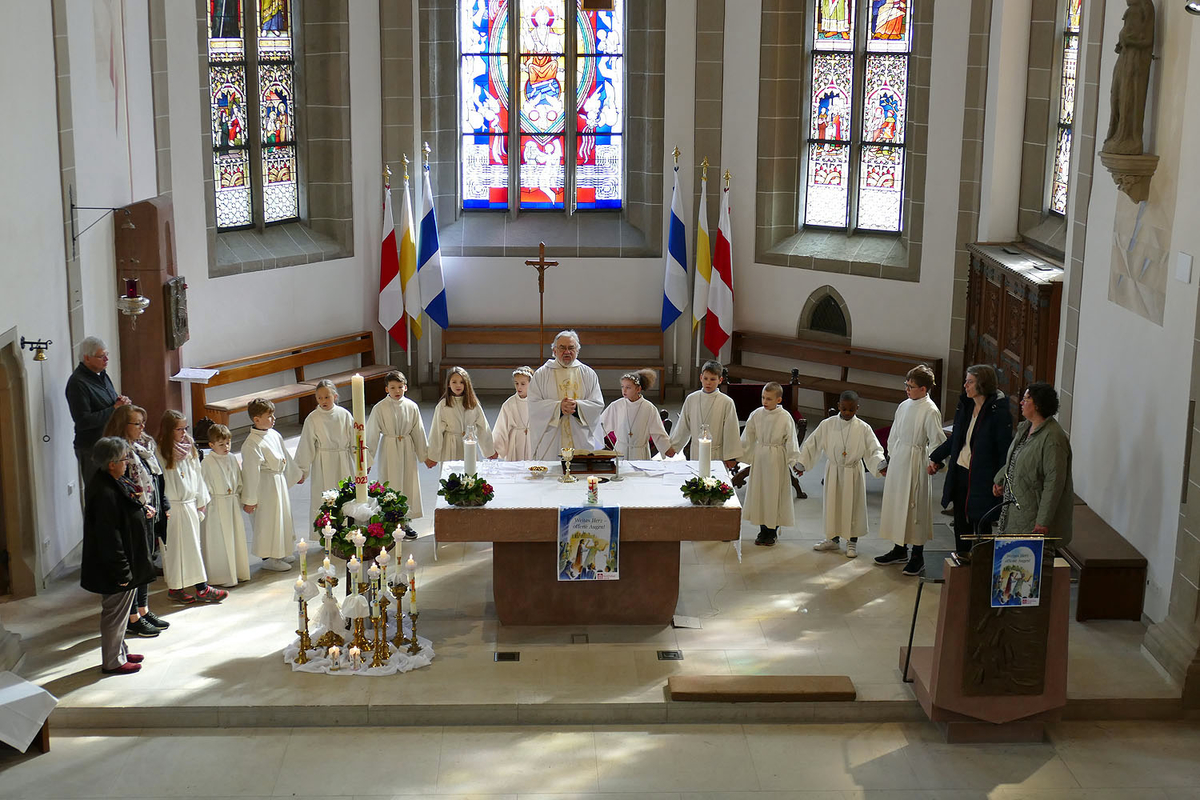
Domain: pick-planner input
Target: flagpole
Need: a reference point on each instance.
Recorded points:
(699, 225)
(408, 337)
(432, 381)
(675, 327)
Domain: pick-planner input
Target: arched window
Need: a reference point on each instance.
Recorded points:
(1061, 171)
(253, 103)
(858, 101)
(568, 108)
(827, 317)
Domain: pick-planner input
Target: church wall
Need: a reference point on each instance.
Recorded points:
(34, 298)
(1133, 376)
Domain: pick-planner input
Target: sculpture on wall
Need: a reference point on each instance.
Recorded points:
(1122, 151)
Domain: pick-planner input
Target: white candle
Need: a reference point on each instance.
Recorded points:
(358, 540)
(335, 653)
(327, 565)
(705, 452)
(355, 655)
(469, 450)
(398, 537)
(354, 566)
(410, 566)
(360, 420)
(302, 548)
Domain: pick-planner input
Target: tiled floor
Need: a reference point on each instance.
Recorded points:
(781, 610)
(1080, 761)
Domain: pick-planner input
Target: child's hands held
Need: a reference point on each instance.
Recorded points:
(249, 509)
(430, 464)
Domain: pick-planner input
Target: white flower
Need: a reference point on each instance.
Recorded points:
(329, 496)
(711, 483)
(390, 497)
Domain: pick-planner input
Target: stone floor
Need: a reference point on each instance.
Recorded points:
(781, 610)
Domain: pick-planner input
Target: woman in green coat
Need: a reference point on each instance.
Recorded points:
(1035, 480)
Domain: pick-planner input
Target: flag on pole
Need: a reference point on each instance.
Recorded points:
(429, 263)
(408, 262)
(675, 293)
(391, 293)
(719, 325)
(703, 257)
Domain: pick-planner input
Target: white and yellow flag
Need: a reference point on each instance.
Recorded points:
(703, 257)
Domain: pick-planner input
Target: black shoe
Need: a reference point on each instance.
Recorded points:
(915, 565)
(898, 555)
(142, 629)
(766, 539)
(409, 533)
(156, 620)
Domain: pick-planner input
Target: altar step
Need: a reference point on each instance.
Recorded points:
(761, 688)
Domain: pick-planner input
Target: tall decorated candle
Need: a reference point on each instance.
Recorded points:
(705, 454)
(360, 450)
(469, 450)
(302, 549)
(328, 532)
(372, 579)
(353, 567)
(398, 538)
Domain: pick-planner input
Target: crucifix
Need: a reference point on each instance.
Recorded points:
(541, 265)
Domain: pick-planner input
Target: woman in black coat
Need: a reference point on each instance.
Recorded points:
(116, 553)
(976, 451)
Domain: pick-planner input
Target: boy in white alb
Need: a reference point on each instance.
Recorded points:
(711, 407)
(633, 420)
(396, 437)
(267, 472)
(769, 446)
(847, 442)
(325, 453)
(225, 555)
(458, 408)
(511, 434)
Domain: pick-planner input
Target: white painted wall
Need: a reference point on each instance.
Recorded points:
(1004, 123)
(1132, 376)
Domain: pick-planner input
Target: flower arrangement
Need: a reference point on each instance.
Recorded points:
(706, 491)
(466, 490)
(393, 512)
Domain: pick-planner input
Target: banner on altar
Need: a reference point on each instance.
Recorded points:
(1017, 573)
(589, 543)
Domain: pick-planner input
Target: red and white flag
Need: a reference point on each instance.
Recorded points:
(718, 325)
(391, 292)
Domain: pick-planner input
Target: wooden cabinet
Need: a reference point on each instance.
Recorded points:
(1014, 296)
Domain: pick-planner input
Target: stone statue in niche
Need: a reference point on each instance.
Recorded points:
(1131, 79)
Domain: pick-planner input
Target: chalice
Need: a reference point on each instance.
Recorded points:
(567, 454)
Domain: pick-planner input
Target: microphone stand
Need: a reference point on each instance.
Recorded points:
(997, 508)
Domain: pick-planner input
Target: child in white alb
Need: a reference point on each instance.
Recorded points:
(184, 489)
(769, 446)
(325, 453)
(458, 409)
(712, 407)
(396, 437)
(267, 472)
(511, 434)
(225, 555)
(631, 422)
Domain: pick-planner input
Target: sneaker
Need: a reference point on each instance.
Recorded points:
(156, 620)
(851, 549)
(128, 668)
(409, 533)
(134, 658)
(142, 629)
(766, 539)
(211, 595)
(915, 565)
(181, 596)
(276, 565)
(898, 555)
(828, 544)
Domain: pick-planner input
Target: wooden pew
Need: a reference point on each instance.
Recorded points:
(1112, 573)
(852, 362)
(290, 361)
(507, 347)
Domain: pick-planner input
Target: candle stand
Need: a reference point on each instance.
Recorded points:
(380, 648)
(399, 639)
(359, 639)
(329, 638)
(414, 647)
(305, 641)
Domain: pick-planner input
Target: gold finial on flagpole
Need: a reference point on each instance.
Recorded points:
(387, 176)
(676, 154)
(726, 179)
(427, 150)
(704, 168)
(406, 166)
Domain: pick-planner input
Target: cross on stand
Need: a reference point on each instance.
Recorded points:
(541, 265)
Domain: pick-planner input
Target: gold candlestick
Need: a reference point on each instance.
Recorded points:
(399, 639)
(305, 642)
(381, 644)
(414, 647)
(329, 638)
(359, 639)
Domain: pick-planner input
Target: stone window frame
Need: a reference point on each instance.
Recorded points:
(780, 239)
(821, 294)
(633, 232)
(322, 85)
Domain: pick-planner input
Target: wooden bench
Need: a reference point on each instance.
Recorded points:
(291, 360)
(1112, 573)
(747, 396)
(507, 347)
(852, 362)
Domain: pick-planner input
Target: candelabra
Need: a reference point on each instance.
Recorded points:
(305, 642)
(381, 654)
(400, 639)
(329, 638)
(414, 647)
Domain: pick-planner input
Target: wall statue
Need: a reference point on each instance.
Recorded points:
(1131, 79)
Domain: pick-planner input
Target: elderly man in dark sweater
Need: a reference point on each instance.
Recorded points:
(92, 400)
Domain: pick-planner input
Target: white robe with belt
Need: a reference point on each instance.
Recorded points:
(396, 438)
(846, 444)
(183, 560)
(267, 472)
(634, 424)
(448, 425)
(511, 434)
(225, 554)
(769, 446)
(907, 516)
(550, 385)
(325, 452)
(715, 409)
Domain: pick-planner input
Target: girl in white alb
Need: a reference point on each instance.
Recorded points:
(511, 434)
(184, 489)
(225, 555)
(458, 408)
(325, 453)
(633, 421)
(396, 437)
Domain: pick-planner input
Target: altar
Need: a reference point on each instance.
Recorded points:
(522, 523)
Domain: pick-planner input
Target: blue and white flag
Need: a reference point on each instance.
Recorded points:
(675, 283)
(429, 263)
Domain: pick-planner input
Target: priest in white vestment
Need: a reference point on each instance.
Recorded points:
(565, 401)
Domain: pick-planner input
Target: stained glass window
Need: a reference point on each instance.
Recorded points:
(855, 160)
(567, 68)
(248, 155)
(1060, 175)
